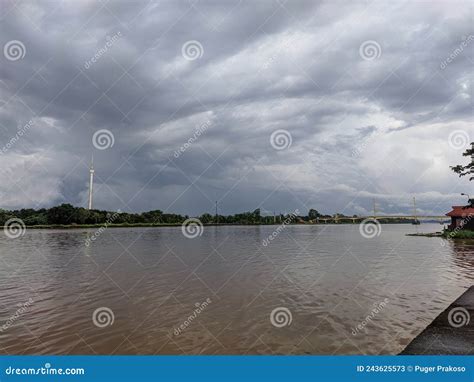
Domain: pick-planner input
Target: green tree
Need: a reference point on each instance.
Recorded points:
(313, 214)
(155, 216)
(206, 218)
(37, 219)
(79, 216)
(469, 168)
(256, 217)
(61, 214)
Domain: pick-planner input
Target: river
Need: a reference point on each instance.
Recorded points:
(313, 289)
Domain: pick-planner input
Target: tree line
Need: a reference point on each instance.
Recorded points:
(66, 214)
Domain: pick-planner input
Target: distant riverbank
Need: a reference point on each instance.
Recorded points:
(68, 216)
(82, 226)
(144, 225)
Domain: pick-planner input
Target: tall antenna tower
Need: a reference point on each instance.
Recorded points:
(415, 216)
(91, 181)
(414, 208)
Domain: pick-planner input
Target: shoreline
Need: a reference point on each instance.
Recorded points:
(451, 332)
(448, 235)
(459, 236)
(158, 225)
(429, 234)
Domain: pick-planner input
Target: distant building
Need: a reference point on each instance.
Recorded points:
(462, 217)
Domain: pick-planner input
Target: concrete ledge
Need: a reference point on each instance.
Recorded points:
(452, 332)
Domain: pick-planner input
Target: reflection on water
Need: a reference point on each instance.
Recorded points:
(333, 291)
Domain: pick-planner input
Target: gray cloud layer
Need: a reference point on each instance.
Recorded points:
(362, 126)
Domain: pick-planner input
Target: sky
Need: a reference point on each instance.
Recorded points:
(278, 105)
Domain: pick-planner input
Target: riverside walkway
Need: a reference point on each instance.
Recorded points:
(451, 333)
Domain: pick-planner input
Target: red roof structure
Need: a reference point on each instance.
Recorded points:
(461, 211)
(462, 217)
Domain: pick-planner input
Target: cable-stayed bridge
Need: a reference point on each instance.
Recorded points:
(358, 219)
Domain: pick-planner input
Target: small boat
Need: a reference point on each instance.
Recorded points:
(416, 222)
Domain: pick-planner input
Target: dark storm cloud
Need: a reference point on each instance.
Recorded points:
(356, 123)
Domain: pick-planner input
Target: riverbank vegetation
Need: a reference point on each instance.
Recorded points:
(68, 216)
(458, 234)
(448, 234)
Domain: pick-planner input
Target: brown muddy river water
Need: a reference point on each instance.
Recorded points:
(154, 291)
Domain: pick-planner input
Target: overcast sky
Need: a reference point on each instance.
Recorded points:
(281, 105)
